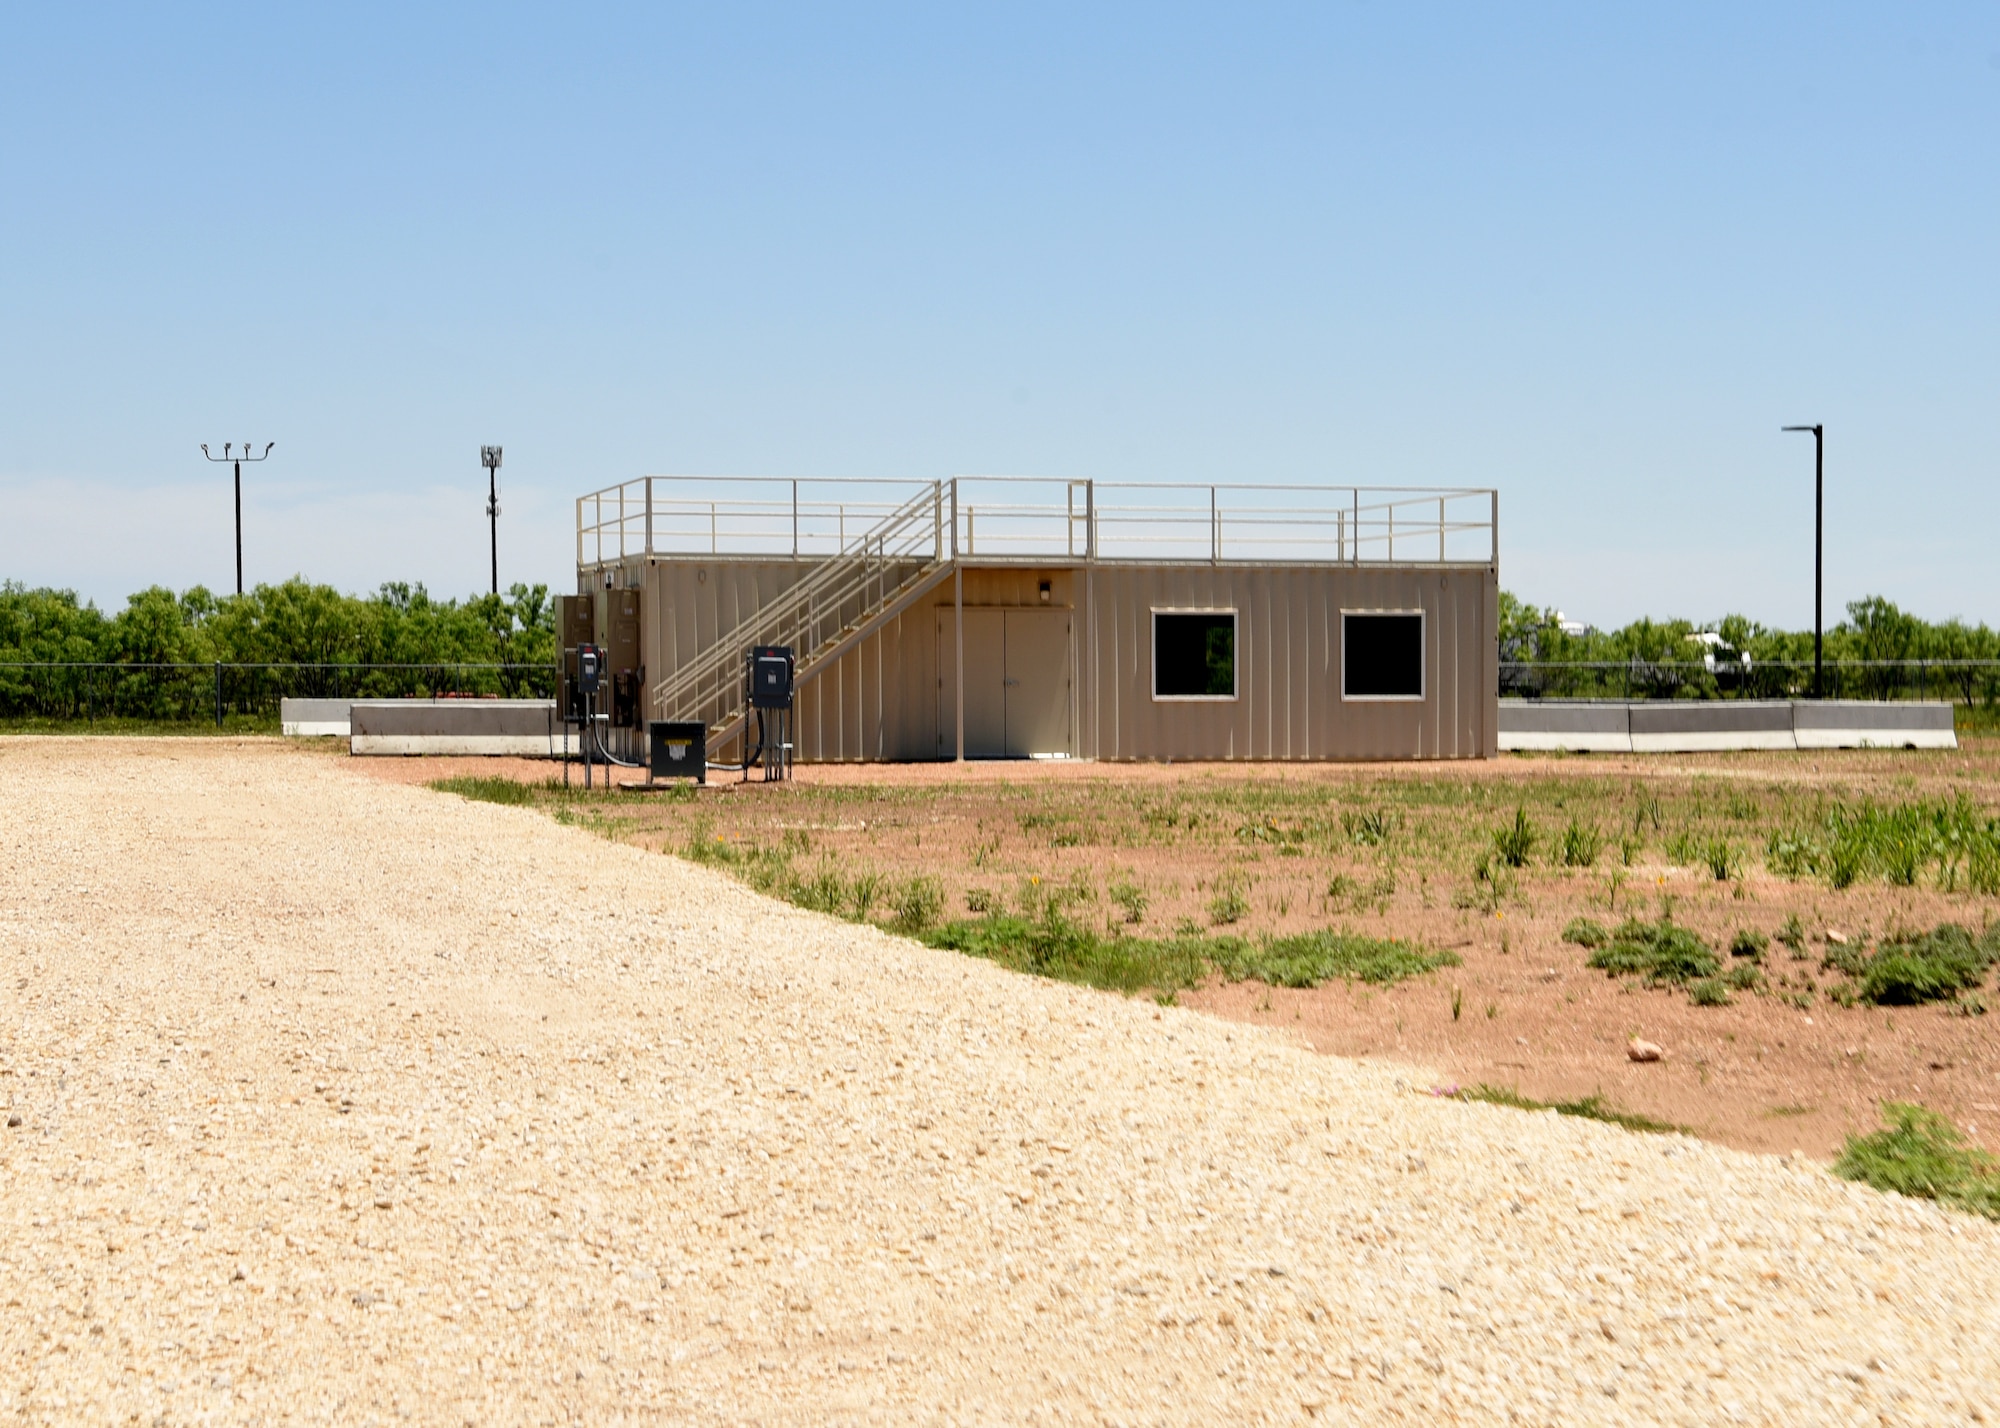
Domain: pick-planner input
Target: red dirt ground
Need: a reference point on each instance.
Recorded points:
(1758, 1074)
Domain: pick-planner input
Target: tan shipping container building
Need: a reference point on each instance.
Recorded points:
(1079, 619)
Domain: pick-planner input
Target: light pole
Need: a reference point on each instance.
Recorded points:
(1819, 552)
(238, 461)
(489, 457)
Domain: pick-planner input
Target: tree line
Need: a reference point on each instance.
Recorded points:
(291, 623)
(1877, 651)
(195, 654)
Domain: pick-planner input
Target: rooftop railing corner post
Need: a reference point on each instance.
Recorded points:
(649, 517)
(1355, 495)
(1493, 528)
(1214, 529)
(1090, 520)
(954, 518)
(795, 519)
(1440, 530)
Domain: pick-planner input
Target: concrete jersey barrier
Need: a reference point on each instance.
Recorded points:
(519, 727)
(1679, 727)
(314, 718)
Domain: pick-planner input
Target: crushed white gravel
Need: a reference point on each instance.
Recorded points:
(340, 1101)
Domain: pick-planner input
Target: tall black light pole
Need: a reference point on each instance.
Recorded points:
(489, 457)
(1819, 552)
(238, 461)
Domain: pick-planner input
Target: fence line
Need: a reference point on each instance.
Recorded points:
(1963, 681)
(188, 692)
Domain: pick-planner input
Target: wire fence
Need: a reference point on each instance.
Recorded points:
(199, 693)
(1962, 681)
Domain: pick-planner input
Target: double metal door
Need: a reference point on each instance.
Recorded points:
(1017, 682)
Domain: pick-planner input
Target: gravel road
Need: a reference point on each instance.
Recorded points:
(340, 1101)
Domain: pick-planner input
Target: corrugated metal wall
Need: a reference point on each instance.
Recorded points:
(882, 699)
(1288, 703)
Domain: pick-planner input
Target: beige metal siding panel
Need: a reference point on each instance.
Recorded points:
(881, 699)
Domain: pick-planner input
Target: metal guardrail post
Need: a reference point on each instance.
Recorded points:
(1214, 530)
(795, 519)
(649, 516)
(1356, 494)
(1440, 530)
(1493, 528)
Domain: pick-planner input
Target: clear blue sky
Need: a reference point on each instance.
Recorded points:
(1594, 255)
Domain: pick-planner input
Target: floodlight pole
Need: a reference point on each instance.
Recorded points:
(237, 462)
(489, 457)
(1819, 553)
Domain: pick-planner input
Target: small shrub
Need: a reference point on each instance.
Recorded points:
(1851, 960)
(1920, 1153)
(1371, 828)
(825, 891)
(1585, 932)
(978, 899)
(1683, 849)
(1843, 864)
(1793, 935)
(1748, 942)
(1579, 845)
(1791, 855)
(918, 903)
(1658, 951)
(1720, 857)
(1628, 850)
(1229, 905)
(1129, 897)
(862, 893)
(1744, 977)
(1515, 843)
(1709, 992)
(1339, 889)
(1934, 967)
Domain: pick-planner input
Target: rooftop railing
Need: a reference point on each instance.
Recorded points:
(1036, 519)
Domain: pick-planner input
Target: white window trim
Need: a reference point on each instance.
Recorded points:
(1235, 662)
(1423, 659)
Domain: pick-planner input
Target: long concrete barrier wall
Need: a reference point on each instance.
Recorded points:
(526, 728)
(1682, 727)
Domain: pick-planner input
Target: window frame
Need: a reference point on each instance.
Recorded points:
(1423, 658)
(1235, 654)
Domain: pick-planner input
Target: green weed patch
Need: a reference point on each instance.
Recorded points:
(487, 788)
(1593, 1108)
(1921, 1153)
(1664, 955)
(1316, 957)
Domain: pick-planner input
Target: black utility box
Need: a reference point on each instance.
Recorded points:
(677, 750)
(771, 677)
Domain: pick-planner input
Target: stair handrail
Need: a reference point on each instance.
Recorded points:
(827, 589)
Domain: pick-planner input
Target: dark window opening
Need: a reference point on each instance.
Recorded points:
(1383, 656)
(1194, 656)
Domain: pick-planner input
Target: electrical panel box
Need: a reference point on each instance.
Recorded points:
(771, 677)
(589, 669)
(677, 750)
(576, 620)
(622, 656)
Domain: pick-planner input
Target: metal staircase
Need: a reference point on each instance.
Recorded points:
(836, 604)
